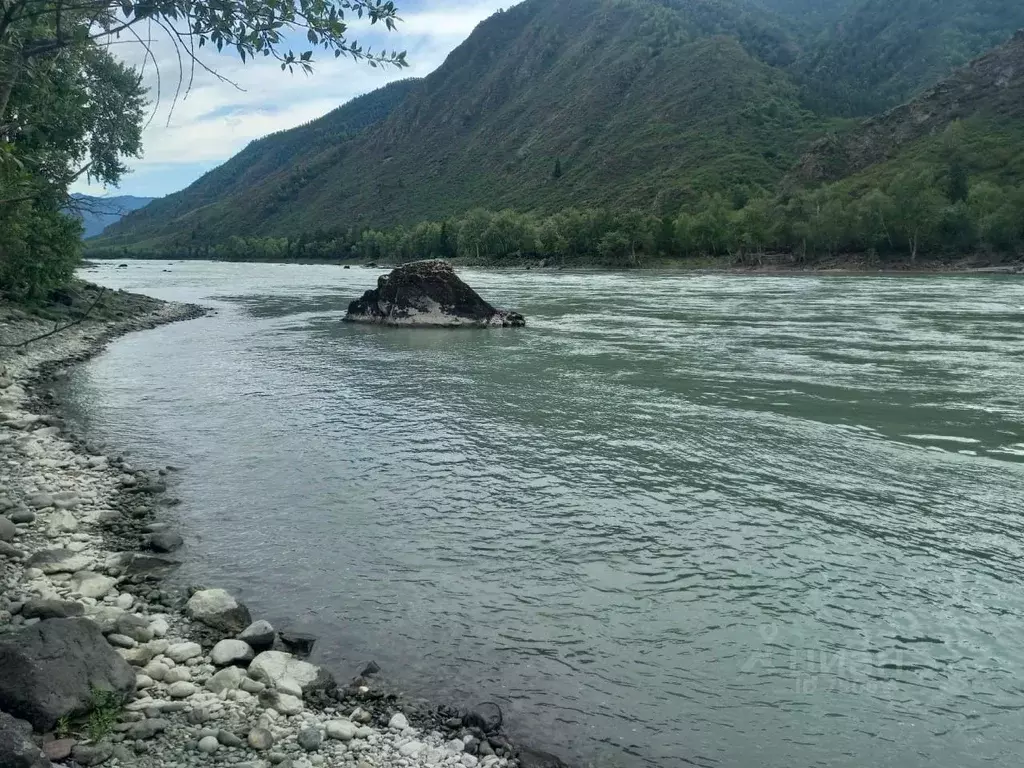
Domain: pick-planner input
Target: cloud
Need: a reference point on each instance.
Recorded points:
(216, 118)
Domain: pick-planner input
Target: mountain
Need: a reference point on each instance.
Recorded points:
(210, 198)
(640, 128)
(880, 53)
(97, 213)
(814, 15)
(649, 101)
(989, 92)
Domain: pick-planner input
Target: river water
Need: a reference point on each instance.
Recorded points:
(678, 520)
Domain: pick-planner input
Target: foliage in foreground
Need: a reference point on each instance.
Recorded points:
(69, 109)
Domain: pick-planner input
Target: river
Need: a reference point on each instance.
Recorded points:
(678, 520)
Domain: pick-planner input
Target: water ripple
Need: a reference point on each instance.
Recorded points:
(679, 520)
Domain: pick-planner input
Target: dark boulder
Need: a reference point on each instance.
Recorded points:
(165, 541)
(17, 750)
(150, 565)
(52, 670)
(299, 644)
(41, 608)
(487, 717)
(427, 293)
(260, 635)
(535, 758)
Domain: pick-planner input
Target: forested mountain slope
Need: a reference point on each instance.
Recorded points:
(881, 52)
(271, 154)
(631, 129)
(642, 101)
(991, 88)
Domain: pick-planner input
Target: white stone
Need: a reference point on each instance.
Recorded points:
(231, 652)
(209, 744)
(180, 652)
(125, 601)
(217, 608)
(181, 690)
(272, 666)
(365, 732)
(289, 686)
(288, 705)
(89, 584)
(143, 681)
(469, 760)
(158, 647)
(62, 521)
(398, 721)
(177, 675)
(159, 626)
(456, 746)
(252, 686)
(140, 704)
(411, 749)
(156, 670)
(227, 679)
(242, 697)
(342, 730)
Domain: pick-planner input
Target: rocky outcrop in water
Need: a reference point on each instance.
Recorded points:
(427, 293)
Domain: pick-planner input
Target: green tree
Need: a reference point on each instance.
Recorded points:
(713, 225)
(958, 227)
(755, 226)
(69, 109)
(958, 180)
(917, 206)
(471, 238)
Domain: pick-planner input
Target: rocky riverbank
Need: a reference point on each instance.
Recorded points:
(103, 662)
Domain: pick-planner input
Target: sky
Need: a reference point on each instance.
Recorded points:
(216, 119)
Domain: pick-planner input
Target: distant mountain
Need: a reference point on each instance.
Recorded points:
(989, 94)
(212, 199)
(881, 53)
(648, 106)
(97, 213)
(647, 101)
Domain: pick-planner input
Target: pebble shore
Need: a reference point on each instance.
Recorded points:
(81, 540)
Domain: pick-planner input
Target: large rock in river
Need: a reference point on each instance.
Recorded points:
(427, 293)
(218, 609)
(54, 668)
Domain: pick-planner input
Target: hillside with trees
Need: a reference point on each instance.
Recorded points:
(284, 151)
(620, 132)
(882, 53)
(631, 132)
(631, 99)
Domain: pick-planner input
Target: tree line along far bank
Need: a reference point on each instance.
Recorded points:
(916, 216)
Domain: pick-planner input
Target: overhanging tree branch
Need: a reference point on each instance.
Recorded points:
(61, 328)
